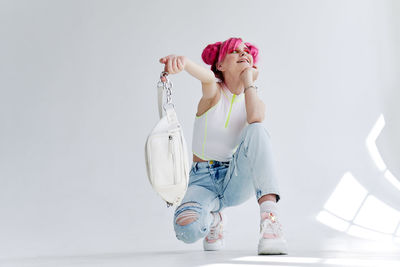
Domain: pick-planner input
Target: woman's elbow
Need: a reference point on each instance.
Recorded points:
(256, 115)
(255, 118)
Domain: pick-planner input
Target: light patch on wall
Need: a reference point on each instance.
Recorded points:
(347, 197)
(352, 210)
(374, 152)
(371, 143)
(332, 221)
(376, 215)
(391, 179)
(364, 233)
(361, 214)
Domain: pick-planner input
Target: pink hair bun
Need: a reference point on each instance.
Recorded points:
(253, 51)
(210, 53)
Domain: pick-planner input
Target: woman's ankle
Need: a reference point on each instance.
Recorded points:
(269, 197)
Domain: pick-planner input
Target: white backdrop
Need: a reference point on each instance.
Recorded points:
(78, 98)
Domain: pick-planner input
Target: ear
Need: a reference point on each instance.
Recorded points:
(219, 66)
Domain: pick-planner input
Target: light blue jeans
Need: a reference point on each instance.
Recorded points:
(215, 185)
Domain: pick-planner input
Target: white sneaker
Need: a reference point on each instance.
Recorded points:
(271, 241)
(215, 238)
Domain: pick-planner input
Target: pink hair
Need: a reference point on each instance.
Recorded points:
(215, 53)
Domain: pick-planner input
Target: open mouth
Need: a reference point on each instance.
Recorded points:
(243, 60)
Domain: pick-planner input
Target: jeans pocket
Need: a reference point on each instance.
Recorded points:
(193, 169)
(220, 174)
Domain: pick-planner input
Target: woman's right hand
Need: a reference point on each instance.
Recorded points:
(173, 64)
(249, 75)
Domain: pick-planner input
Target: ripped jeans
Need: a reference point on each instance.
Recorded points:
(215, 185)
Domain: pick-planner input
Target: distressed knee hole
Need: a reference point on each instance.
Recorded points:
(187, 213)
(186, 217)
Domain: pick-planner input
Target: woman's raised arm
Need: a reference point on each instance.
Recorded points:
(175, 64)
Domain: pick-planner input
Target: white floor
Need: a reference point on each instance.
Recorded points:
(223, 258)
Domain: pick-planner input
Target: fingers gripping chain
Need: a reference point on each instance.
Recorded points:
(187, 213)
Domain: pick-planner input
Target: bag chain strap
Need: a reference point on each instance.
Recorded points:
(166, 84)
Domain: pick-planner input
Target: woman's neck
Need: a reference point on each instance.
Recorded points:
(234, 84)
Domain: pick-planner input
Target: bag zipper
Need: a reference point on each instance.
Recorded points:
(170, 149)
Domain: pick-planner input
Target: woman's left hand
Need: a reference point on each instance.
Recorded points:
(249, 75)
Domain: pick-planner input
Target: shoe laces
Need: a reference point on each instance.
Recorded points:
(215, 230)
(213, 234)
(270, 224)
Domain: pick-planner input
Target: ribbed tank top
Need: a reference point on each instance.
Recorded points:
(216, 133)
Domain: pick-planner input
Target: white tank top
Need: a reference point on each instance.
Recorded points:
(216, 133)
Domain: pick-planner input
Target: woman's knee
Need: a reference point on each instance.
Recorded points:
(255, 135)
(189, 223)
(256, 128)
(187, 213)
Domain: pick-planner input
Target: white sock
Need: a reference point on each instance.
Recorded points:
(269, 206)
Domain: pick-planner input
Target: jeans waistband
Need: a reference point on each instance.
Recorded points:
(210, 163)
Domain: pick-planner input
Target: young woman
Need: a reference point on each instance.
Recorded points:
(232, 157)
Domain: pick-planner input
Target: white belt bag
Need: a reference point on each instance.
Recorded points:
(166, 151)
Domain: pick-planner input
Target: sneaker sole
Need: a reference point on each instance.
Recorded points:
(272, 247)
(213, 246)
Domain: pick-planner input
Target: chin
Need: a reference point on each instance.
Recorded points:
(244, 67)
